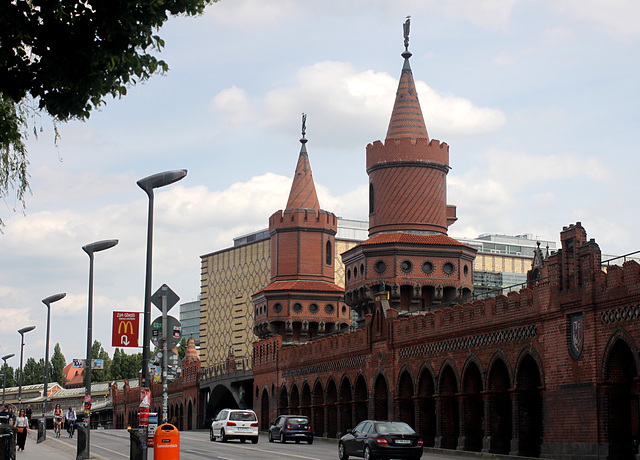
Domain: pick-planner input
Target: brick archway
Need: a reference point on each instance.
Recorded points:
(317, 409)
(405, 400)
(264, 410)
(283, 401)
(620, 397)
(471, 409)
(346, 396)
(360, 400)
(447, 410)
(305, 401)
(331, 404)
(498, 409)
(426, 423)
(529, 404)
(294, 401)
(381, 399)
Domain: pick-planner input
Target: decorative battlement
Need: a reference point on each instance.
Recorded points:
(303, 218)
(408, 150)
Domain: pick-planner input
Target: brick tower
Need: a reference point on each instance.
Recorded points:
(408, 253)
(302, 301)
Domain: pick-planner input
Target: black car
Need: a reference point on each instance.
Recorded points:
(291, 428)
(373, 439)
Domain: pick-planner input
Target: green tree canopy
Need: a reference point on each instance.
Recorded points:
(125, 366)
(63, 57)
(33, 372)
(182, 347)
(57, 365)
(11, 381)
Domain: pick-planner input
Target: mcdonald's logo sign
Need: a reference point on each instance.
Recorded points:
(125, 329)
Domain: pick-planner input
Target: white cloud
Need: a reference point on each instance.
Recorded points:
(618, 18)
(234, 106)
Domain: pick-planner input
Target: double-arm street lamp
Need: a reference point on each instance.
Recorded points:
(22, 332)
(148, 184)
(90, 249)
(4, 376)
(48, 301)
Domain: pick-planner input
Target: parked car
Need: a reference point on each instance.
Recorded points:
(374, 439)
(291, 428)
(239, 424)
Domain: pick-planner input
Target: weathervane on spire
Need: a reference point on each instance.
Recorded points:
(406, 26)
(304, 127)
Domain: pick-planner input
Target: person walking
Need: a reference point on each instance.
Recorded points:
(28, 413)
(71, 421)
(22, 425)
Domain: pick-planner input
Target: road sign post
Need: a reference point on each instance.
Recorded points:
(164, 298)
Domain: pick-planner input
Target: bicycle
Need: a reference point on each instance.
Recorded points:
(57, 423)
(71, 428)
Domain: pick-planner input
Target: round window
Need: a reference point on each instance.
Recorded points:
(277, 308)
(380, 266)
(328, 309)
(466, 270)
(448, 268)
(344, 310)
(313, 308)
(406, 266)
(297, 307)
(427, 267)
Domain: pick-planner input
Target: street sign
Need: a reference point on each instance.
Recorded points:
(164, 291)
(174, 366)
(125, 329)
(81, 363)
(174, 331)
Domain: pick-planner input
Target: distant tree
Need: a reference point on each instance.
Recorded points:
(63, 57)
(182, 348)
(57, 365)
(11, 381)
(131, 365)
(116, 365)
(33, 372)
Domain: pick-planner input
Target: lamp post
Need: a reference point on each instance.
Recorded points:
(48, 301)
(4, 376)
(90, 249)
(22, 332)
(148, 184)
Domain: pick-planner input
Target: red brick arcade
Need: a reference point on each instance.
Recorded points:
(548, 371)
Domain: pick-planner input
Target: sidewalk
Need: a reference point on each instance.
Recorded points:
(51, 449)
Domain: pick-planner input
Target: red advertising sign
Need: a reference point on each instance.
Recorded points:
(125, 329)
(145, 402)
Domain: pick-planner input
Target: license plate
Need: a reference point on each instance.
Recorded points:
(403, 441)
(243, 428)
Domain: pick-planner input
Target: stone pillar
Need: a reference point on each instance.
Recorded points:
(517, 423)
(462, 437)
(488, 398)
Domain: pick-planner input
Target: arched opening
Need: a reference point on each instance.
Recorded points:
(449, 410)
(360, 400)
(264, 410)
(283, 401)
(529, 417)
(345, 407)
(220, 398)
(294, 400)
(332, 409)
(305, 406)
(427, 414)
(190, 416)
(621, 402)
(406, 412)
(472, 410)
(498, 427)
(317, 409)
(381, 399)
(181, 417)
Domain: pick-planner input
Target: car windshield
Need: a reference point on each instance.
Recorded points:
(242, 416)
(298, 420)
(393, 427)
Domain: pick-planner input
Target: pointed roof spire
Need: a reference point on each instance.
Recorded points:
(303, 190)
(406, 118)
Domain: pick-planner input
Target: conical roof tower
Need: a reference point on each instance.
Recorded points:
(408, 253)
(302, 300)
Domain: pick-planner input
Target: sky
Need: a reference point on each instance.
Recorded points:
(538, 101)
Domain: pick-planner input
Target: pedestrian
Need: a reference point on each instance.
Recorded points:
(57, 420)
(28, 413)
(5, 415)
(71, 421)
(22, 425)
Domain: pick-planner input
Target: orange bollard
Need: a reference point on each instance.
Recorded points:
(167, 443)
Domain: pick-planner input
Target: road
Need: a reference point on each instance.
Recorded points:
(195, 445)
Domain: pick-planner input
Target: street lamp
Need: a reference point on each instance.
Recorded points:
(4, 377)
(148, 184)
(90, 249)
(22, 332)
(48, 301)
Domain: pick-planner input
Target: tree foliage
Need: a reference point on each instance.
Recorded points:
(57, 365)
(63, 57)
(182, 348)
(33, 372)
(11, 381)
(125, 366)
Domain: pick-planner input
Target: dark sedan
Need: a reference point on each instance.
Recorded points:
(373, 439)
(291, 428)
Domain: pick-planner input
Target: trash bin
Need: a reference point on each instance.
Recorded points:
(137, 437)
(7, 441)
(42, 430)
(81, 451)
(167, 443)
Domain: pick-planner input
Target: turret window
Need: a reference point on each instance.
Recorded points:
(328, 253)
(372, 206)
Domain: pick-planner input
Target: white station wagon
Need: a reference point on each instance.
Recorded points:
(239, 424)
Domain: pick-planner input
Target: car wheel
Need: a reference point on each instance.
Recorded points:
(242, 439)
(310, 441)
(342, 453)
(255, 440)
(270, 436)
(282, 440)
(297, 441)
(367, 453)
(211, 436)
(223, 435)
